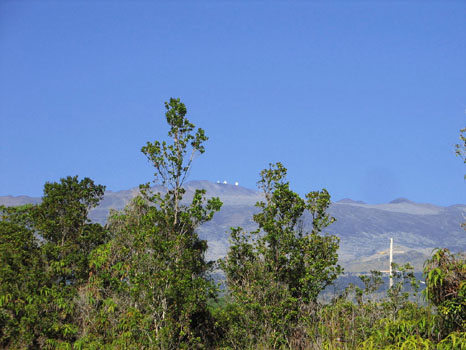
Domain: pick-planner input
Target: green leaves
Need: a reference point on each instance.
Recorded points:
(445, 276)
(173, 161)
(275, 274)
(44, 253)
(68, 235)
(21, 275)
(143, 282)
(150, 285)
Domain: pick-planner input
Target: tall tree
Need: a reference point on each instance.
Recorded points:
(62, 221)
(44, 252)
(275, 274)
(153, 273)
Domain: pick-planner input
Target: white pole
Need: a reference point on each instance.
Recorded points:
(391, 260)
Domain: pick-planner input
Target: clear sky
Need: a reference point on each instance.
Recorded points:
(363, 98)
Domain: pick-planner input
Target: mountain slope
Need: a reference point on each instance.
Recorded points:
(364, 229)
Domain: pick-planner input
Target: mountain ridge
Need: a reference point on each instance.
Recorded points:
(364, 229)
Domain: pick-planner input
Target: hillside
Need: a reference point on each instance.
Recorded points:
(364, 229)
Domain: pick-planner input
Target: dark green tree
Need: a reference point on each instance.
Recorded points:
(275, 274)
(69, 236)
(21, 278)
(44, 252)
(151, 281)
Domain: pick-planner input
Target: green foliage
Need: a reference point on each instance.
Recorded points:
(44, 260)
(454, 341)
(21, 276)
(445, 275)
(390, 322)
(68, 234)
(405, 284)
(68, 238)
(142, 282)
(275, 274)
(173, 161)
(371, 285)
(150, 284)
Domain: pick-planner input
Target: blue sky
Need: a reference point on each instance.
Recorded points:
(363, 98)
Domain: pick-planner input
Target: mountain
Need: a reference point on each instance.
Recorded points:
(13, 201)
(417, 228)
(364, 229)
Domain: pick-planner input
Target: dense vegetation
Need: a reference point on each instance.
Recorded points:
(142, 281)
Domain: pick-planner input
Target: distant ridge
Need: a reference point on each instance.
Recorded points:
(364, 229)
(349, 201)
(13, 201)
